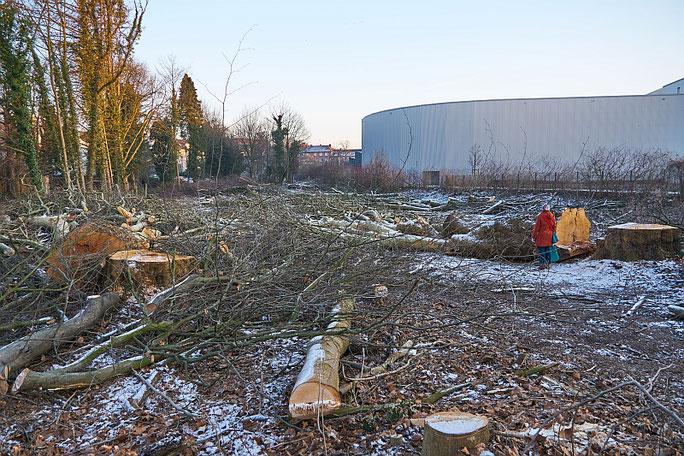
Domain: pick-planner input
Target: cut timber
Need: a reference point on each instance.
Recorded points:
(639, 241)
(447, 433)
(20, 353)
(125, 214)
(418, 227)
(29, 380)
(145, 269)
(86, 248)
(317, 390)
(572, 226)
(577, 248)
(58, 225)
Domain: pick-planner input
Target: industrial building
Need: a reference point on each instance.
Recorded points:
(440, 136)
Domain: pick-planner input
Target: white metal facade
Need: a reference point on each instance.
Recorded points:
(440, 136)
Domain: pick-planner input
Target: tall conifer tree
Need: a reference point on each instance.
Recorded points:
(190, 110)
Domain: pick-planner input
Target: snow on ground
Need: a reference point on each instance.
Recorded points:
(617, 282)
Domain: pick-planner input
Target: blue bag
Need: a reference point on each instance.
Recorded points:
(553, 253)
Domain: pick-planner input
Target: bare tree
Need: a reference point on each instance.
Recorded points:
(252, 137)
(475, 158)
(296, 134)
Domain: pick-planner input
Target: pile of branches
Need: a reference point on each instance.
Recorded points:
(264, 273)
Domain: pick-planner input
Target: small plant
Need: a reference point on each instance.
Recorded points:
(369, 423)
(399, 411)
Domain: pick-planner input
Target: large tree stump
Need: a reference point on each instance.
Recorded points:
(317, 390)
(447, 433)
(144, 269)
(639, 241)
(86, 248)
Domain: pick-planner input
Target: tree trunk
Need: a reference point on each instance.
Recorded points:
(20, 353)
(317, 390)
(29, 380)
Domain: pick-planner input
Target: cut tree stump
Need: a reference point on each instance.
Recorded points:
(144, 269)
(639, 241)
(86, 248)
(447, 433)
(317, 390)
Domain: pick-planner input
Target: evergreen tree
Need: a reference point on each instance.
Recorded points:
(279, 167)
(190, 110)
(164, 155)
(49, 149)
(15, 50)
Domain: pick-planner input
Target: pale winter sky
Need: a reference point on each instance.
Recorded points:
(336, 62)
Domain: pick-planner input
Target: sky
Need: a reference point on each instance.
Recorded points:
(335, 62)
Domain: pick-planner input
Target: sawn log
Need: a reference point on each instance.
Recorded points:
(317, 390)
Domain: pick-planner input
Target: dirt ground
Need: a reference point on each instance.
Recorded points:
(610, 380)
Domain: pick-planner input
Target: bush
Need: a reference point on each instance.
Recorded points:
(378, 176)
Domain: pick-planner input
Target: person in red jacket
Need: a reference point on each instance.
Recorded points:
(542, 236)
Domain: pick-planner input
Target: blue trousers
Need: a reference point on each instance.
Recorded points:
(544, 255)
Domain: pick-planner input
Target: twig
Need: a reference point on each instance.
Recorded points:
(529, 445)
(164, 396)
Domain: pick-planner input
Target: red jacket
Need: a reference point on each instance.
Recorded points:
(544, 228)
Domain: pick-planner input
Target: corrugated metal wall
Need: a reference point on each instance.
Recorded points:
(440, 136)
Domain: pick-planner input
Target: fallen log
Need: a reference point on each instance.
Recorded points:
(58, 225)
(84, 361)
(576, 249)
(29, 380)
(317, 390)
(125, 214)
(190, 283)
(389, 237)
(20, 353)
(447, 433)
(491, 209)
